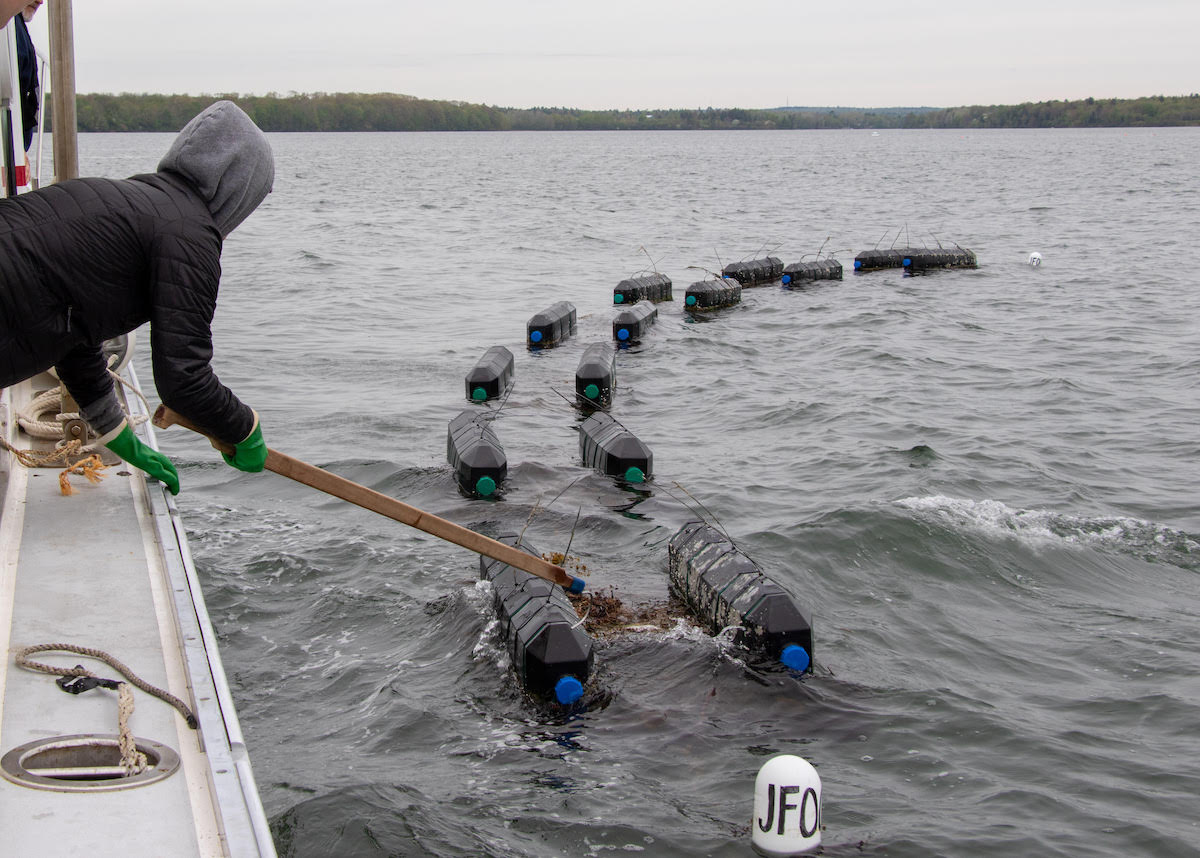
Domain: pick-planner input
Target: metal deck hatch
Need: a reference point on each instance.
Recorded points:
(85, 762)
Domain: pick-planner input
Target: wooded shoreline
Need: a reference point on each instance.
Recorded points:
(394, 112)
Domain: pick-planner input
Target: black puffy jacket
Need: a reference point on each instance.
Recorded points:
(86, 260)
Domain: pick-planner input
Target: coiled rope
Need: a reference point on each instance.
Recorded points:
(91, 466)
(50, 401)
(132, 760)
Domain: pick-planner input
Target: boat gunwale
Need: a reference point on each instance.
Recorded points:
(243, 819)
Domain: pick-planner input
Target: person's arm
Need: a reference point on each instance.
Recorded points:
(8, 8)
(84, 372)
(183, 301)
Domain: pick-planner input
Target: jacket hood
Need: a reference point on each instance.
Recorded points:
(227, 159)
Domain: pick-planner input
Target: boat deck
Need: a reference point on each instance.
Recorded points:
(108, 568)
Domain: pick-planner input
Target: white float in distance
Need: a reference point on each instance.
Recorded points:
(787, 808)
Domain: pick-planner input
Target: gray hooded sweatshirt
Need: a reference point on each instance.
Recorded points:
(225, 157)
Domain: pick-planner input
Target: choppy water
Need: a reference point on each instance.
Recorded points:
(982, 485)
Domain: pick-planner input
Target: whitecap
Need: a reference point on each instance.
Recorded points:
(997, 519)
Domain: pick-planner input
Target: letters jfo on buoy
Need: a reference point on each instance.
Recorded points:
(787, 808)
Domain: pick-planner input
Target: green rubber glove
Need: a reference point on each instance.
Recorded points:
(249, 455)
(126, 445)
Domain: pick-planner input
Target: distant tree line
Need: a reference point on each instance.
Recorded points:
(393, 112)
(1157, 110)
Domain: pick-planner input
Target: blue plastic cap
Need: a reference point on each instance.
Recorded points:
(577, 585)
(907, 262)
(795, 657)
(858, 263)
(691, 300)
(535, 336)
(623, 334)
(787, 278)
(567, 690)
(618, 298)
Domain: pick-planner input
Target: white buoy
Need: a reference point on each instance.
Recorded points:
(787, 808)
(1035, 259)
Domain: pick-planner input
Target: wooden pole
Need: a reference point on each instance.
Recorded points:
(62, 90)
(347, 490)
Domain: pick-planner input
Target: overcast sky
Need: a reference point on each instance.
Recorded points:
(645, 54)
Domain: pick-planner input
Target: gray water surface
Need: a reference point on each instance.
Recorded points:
(982, 484)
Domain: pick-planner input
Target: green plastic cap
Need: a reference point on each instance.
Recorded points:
(479, 394)
(691, 300)
(485, 486)
(591, 391)
(618, 298)
(635, 475)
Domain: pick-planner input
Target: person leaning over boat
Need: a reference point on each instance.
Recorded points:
(86, 260)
